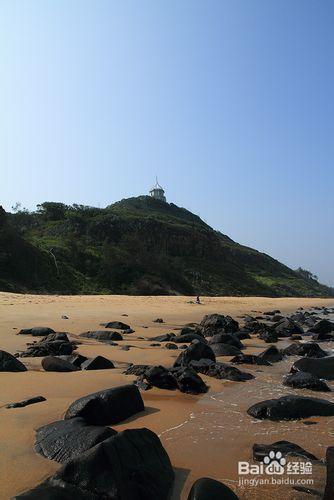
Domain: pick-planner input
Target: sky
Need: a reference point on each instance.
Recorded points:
(229, 102)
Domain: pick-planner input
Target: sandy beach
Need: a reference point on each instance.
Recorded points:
(204, 435)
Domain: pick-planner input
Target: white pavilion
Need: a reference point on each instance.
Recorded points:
(158, 192)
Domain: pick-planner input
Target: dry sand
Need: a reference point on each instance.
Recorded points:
(204, 435)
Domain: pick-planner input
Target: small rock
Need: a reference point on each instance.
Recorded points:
(26, 402)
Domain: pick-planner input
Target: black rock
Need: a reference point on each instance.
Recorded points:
(56, 336)
(54, 364)
(170, 345)
(66, 439)
(136, 370)
(75, 359)
(226, 338)
(26, 402)
(329, 489)
(220, 370)
(296, 337)
(188, 381)
(285, 447)
(276, 318)
(242, 334)
(309, 350)
(164, 338)
(225, 350)
(270, 337)
(189, 337)
(195, 352)
(249, 359)
(191, 329)
(128, 331)
(291, 408)
(287, 327)
(218, 323)
(119, 325)
(55, 490)
(158, 320)
(159, 376)
(322, 327)
(102, 335)
(46, 348)
(272, 313)
(36, 331)
(8, 363)
(210, 489)
(304, 380)
(320, 367)
(109, 406)
(97, 363)
(131, 465)
(272, 354)
(155, 345)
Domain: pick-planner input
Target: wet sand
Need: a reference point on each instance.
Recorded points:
(204, 435)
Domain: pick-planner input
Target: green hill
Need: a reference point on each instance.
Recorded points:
(135, 246)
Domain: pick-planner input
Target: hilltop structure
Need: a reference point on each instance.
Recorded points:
(157, 191)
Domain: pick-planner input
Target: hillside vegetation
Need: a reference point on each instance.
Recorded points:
(135, 246)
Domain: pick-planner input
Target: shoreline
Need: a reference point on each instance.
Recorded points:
(203, 435)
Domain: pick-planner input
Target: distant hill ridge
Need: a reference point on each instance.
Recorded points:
(139, 246)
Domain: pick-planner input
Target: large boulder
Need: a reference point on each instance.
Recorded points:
(66, 439)
(225, 350)
(55, 490)
(196, 351)
(218, 323)
(131, 465)
(291, 408)
(309, 350)
(54, 364)
(286, 327)
(109, 406)
(329, 489)
(8, 363)
(206, 488)
(322, 327)
(320, 367)
(118, 325)
(304, 380)
(36, 331)
(220, 370)
(271, 354)
(102, 335)
(226, 338)
(159, 376)
(97, 363)
(285, 447)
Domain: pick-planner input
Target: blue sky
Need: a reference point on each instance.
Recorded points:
(230, 103)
